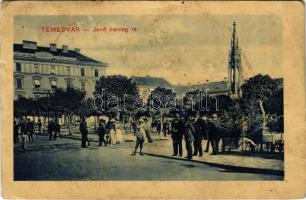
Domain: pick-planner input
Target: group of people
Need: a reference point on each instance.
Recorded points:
(54, 130)
(194, 129)
(190, 128)
(24, 128)
(109, 133)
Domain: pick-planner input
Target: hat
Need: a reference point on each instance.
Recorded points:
(112, 120)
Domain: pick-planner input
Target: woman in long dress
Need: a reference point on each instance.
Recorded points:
(119, 132)
(112, 131)
(143, 131)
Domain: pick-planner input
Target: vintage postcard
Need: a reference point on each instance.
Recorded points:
(182, 99)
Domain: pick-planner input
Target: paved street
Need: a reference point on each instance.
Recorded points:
(63, 159)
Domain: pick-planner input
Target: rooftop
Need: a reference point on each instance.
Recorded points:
(29, 50)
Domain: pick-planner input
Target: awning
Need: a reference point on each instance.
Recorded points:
(36, 82)
(53, 83)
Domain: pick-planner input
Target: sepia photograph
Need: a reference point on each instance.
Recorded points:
(148, 98)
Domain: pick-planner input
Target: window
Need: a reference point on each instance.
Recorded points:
(52, 69)
(18, 83)
(96, 73)
(69, 84)
(18, 67)
(68, 71)
(82, 72)
(36, 68)
(83, 86)
(36, 84)
(53, 85)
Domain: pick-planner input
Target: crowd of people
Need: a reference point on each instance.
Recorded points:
(109, 133)
(190, 128)
(24, 130)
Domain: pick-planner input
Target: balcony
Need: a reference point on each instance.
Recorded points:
(41, 91)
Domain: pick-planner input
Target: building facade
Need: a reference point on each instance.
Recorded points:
(39, 70)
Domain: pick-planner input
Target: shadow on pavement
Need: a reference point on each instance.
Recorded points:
(228, 168)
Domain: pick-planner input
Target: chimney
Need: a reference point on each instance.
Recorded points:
(65, 48)
(29, 44)
(53, 47)
(77, 50)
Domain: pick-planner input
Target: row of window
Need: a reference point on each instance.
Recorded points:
(19, 84)
(52, 70)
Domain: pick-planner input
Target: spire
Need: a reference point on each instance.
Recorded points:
(234, 61)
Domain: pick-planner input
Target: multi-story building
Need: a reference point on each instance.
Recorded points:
(39, 70)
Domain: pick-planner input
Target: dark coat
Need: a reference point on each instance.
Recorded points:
(199, 128)
(178, 129)
(83, 128)
(189, 132)
(102, 129)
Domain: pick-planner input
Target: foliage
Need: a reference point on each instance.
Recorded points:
(161, 98)
(116, 93)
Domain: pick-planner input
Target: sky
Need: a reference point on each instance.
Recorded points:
(189, 49)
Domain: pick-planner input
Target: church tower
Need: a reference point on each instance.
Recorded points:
(235, 76)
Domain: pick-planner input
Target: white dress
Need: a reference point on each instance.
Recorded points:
(112, 134)
(143, 133)
(119, 135)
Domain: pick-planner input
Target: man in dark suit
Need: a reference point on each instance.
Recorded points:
(16, 132)
(84, 132)
(30, 129)
(51, 128)
(101, 132)
(199, 127)
(177, 135)
(189, 136)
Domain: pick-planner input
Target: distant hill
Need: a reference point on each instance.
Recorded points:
(151, 81)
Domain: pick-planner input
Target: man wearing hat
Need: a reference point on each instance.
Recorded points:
(209, 130)
(189, 136)
(199, 127)
(84, 132)
(101, 132)
(177, 135)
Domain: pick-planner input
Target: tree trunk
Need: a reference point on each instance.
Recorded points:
(95, 127)
(69, 124)
(263, 114)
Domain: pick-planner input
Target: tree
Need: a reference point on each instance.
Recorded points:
(116, 93)
(67, 102)
(257, 91)
(23, 107)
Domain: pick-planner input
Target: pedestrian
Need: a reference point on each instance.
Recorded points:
(101, 132)
(16, 132)
(134, 126)
(119, 132)
(30, 130)
(57, 130)
(23, 131)
(39, 124)
(177, 135)
(51, 127)
(199, 127)
(166, 128)
(111, 127)
(188, 135)
(213, 132)
(139, 138)
(147, 130)
(84, 132)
